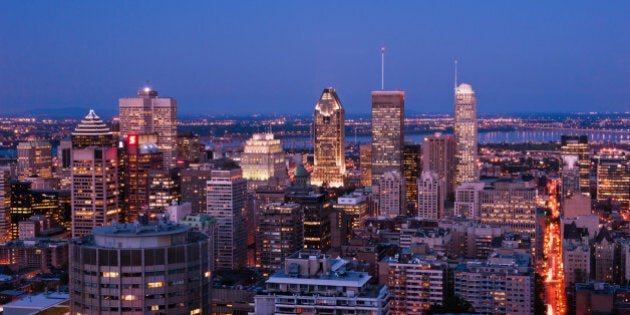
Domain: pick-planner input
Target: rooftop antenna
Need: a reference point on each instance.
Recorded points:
(455, 73)
(382, 68)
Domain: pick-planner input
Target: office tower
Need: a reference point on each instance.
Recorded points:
(466, 170)
(467, 202)
(34, 159)
(262, 162)
(511, 203)
(94, 191)
(189, 150)
(279, 233)
(570, 175)
(411, 172)
(504, 284)
(144, 268)
(392, 198)
(431, 191)
(388, 133)
(163, 191)
(415, 283)
(365, 164)
(149, 114)
(193, 186)
(613, 179)
(578, 145)
(21, 208)
(227, 193)
(325, 286)
(141, 159)
(356, 208)
(317, 209)
(330, 151)
(438, 155)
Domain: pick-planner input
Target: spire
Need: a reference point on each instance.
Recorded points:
(382, 68)
(455, 73)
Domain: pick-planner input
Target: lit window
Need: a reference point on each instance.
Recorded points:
(195, 311)
(110, 274)
(155, 284)
(129, 297)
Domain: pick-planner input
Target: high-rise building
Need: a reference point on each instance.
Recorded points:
(262, 162)
(21, 206)
(578, 146)
(227, 193)
(149, 114)
(314, 283)
(438, 155)
(466, 170)
(5, 205)
(144, 268)
(388, 133)
(415, 283)
(63, 171)
(504, 284)
(34, 159)
(193, 186)
(279, 234)
(512, 203)
(411, 172)
(570, 175)
(356, 208)
(94, 176)
(467, 202)
(330, 151)
(613, 179)
(317, 227)
(189, 150)
(365, 164)
(392, 198)
(431, 196)
(141, 159)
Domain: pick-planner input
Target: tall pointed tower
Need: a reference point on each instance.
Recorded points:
(466, 135)
(330, 162)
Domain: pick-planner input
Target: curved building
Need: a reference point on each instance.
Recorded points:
(330, 155)
(465, 135)
(141, 268)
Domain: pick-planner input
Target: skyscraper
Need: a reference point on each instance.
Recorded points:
(578, 146)
(94, 176)
(263, 161)
(388, 123)
(430, 196)
(227, 193)
(330, 161)
(149, 114)
(613, 179)
(411, 167)
(34, 159)
(466, 135)
(280, 233)
(5, 205)
(438, 155)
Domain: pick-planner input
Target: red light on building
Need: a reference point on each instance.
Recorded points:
(132, 139)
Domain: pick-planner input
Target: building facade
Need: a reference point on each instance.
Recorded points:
(466, 170)
(388, 133)
(262, 161)
(431, 191)
(330, 150)
(578, 146)
(34, 159)
(438, 155)
(279, 233)
(146, 268)
(226, 196)
(149, 114)
(94, 193)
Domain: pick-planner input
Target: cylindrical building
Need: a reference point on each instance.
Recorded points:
(140, 268)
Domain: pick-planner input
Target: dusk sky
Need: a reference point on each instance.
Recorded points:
(246, 57)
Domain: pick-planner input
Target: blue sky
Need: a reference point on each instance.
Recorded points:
(242, 57)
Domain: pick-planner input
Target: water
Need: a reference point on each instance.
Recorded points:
(513, 136)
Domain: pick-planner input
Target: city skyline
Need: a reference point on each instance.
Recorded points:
(213, 56)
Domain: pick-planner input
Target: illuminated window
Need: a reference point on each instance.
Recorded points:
(110, 274)
(155, 284)
(195, 311)
(128, 297)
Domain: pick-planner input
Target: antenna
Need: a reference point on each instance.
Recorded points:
(382, 68)
(455, 73)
